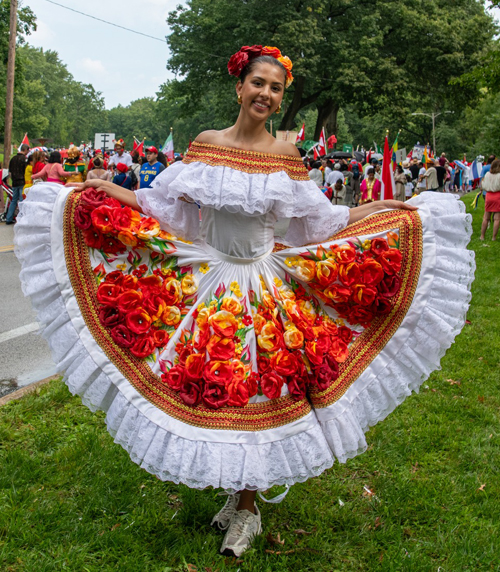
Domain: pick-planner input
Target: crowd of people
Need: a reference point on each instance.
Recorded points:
(351, 182)
(32, 166)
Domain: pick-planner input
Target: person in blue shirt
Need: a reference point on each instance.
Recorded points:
(122, 178)
(150, 170)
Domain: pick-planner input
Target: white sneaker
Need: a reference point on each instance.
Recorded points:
(244, 526)
(222, 519)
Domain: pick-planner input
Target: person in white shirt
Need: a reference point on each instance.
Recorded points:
(334, 176)
(120, 156)
(421, 185)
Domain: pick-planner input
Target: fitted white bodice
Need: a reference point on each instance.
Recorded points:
(238, 234)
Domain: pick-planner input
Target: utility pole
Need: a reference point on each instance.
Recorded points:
(11, 67)
(433, 115)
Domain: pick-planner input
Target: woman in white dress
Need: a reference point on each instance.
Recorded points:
(225, 356)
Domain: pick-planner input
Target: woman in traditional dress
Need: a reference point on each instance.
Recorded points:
(224, 356)
(370, 188)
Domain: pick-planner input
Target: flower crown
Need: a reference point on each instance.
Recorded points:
(246, 54)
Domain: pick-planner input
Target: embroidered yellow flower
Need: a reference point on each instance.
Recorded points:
(367, 244)
(234, 286)
(204, 268)
(290, 261)
(278, 282)
(340, 322)
(121, 267)
(201, 306)
(238, 349)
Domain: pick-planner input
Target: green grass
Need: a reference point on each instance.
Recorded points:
(72, 500)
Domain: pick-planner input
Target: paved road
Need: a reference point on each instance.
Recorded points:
(24, 355)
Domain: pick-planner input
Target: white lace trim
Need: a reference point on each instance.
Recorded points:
(314, 218)
(340, 431)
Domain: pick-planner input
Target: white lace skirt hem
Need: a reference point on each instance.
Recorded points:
(335, 432)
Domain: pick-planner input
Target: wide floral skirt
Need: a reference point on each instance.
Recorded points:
(242, 373)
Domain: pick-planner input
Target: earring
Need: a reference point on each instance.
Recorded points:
(239, 99)
(279, 109)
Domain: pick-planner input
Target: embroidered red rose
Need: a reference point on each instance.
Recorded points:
(138, 321)
(264, 364)
(83, 220)
(284, 363)
(363, 295)
(224, 324)
(382, 306)
(271, 384)
(194, 366)
(129, 300)
(360, 315)
(297, 387)
(345, 334)
(238, 394)
(389, 286)
(252, 382)
(201, 338)
(215, 394)
(379, 245)
(110, 316)
(93, 238)
(92, 198)
(155, 305)
(326, 373)
(113, 203)
(122, 336)
(190, 392)
(108, 293)
(314, 352)
(391, 260)
(102, 218)
(160, 338)
(344, 254)
(110, 245)
(371, 272)
(218, 371)
(221, 348)
(143, 346)
(338, 293)
(339, 350)
(349, 274)
(174, 377)
(326, 271)
(183, 352)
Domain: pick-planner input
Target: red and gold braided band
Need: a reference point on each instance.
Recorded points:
(246, 161)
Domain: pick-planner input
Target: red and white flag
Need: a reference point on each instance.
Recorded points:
(322, 143)
(409, 156)
(139, 147)
(388, 184)
(316, 154)
(25, 141)
(300, 136)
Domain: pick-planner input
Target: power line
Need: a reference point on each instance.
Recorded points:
(106, 22)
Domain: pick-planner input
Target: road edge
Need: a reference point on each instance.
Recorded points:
(27, 389)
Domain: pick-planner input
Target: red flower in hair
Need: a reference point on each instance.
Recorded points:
(236, 63)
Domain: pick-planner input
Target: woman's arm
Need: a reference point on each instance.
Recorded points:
(358, 213)
(125, 196)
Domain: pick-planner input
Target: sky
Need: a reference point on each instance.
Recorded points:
(122, 65)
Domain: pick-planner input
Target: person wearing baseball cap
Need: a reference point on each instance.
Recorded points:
(150, 170)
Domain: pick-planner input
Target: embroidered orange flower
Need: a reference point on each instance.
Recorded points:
(129, 300)
(238, 394)
(306, 269)
(271, 51)
(293, 338)
(108, 293)
(125, 219)
(307, 310)
(258, 323)
(127, 238)
(224, 324)
(270, 338)
(160, 338)
(220, 348)
(171, 316)
(239, 370)
(231, 305)
(138, 321)
(221, 371)
(344, 253)
(148, 228)
(315, 352)
(339, 350)
(326, 271)
(391, 261)
(284, 362)
(392, 239)
(202, 318)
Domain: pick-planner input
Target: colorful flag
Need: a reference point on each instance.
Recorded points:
(409, 156)
(322, 143)
(388, 185)
(476, 169)
(301, 136)
(425, 158)
(139, 147)
(393, 154)
(168, 147)
(475, 202)
(25, 141)
(316, 154)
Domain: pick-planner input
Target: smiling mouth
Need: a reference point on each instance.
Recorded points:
(261, 105)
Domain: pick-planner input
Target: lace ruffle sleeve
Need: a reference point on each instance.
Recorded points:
(176, 216)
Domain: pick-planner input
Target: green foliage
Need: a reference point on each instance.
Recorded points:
(70, 499)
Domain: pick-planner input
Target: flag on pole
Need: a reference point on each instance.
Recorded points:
(25, 141)
(388, 185)
(168, 147)
(332, 140)
(369, 156)
(322, 143)
(425, 158)
(409, 156)
(139, 147)
(393, 154)
(316, 154)
(301, 135)
(475, 202)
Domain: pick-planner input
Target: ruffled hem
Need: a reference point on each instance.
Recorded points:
(340, 431)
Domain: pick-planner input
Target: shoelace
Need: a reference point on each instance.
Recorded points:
(227, 511)
(239, 524)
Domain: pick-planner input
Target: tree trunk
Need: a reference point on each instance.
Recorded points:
(287, 123)
(325, 110)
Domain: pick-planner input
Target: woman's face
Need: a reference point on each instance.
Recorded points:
(371, 176)
(262, 91)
